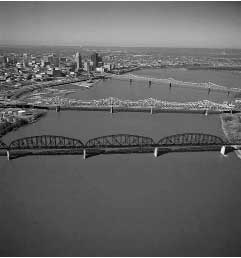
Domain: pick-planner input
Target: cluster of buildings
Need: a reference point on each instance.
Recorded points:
(124, 61)
(35, 67)
(11, 118)
(40, 65)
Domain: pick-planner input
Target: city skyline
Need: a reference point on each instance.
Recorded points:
(130, 24)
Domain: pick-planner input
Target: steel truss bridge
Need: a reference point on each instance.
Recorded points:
(149, 103)
(119, 143)
(171, 81)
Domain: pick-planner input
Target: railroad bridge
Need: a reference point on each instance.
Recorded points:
(127, 142)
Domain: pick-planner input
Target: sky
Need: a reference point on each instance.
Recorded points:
(153, 24)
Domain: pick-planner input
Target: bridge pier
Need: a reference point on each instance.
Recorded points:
(156, 152)
(57, 108)
(130, 81)
(151, 111)
(223, 150)
(84, 153)
(8, 155)
(149, 84)
(206, 112)
(111, 110)
(170, 85)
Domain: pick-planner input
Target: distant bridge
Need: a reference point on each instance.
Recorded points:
(119, 143)
(206, 85)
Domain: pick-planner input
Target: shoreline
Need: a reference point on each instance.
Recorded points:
(20, 123)
(227, 134)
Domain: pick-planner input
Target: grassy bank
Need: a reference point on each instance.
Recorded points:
(231, 125)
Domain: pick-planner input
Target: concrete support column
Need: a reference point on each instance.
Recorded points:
(223, 150)
(8, 155)
(84, 154)
(57, 108)
(151, 111)
(156, 152)
(111, 109)
(206, 112)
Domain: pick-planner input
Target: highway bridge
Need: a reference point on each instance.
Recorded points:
(113, 104)
(173, 82)
(119, 143)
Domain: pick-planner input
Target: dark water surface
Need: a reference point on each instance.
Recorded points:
(179, 204)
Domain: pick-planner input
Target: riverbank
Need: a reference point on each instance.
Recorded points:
(231, 125)
(6, 127)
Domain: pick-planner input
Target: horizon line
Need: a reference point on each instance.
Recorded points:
(110, 46)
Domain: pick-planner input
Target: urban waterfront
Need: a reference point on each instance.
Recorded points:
(138, 204)
(140, 90)
(120, 129)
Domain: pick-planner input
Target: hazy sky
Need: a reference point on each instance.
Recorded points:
(170, 24)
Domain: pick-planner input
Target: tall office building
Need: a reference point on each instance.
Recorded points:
(56, 61)
(2, 60)
(78, 61)
(45, 58)
(25, 60)
(94, 59)
(51, 59)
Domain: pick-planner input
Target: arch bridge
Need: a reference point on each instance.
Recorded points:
(120, 140)
(46, 142)
(125, 143)
(3, 146)
(191, 139)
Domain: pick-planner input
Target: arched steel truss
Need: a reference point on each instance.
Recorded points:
(46, 142)
(115, 141)
(3, 146)
(120, 140)
(191, 139)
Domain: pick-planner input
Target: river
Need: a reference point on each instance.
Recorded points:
(179, 204)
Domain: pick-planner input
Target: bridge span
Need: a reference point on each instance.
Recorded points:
(173, 82)
(119, 143)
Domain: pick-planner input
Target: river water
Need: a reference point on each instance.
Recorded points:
(179, 204)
